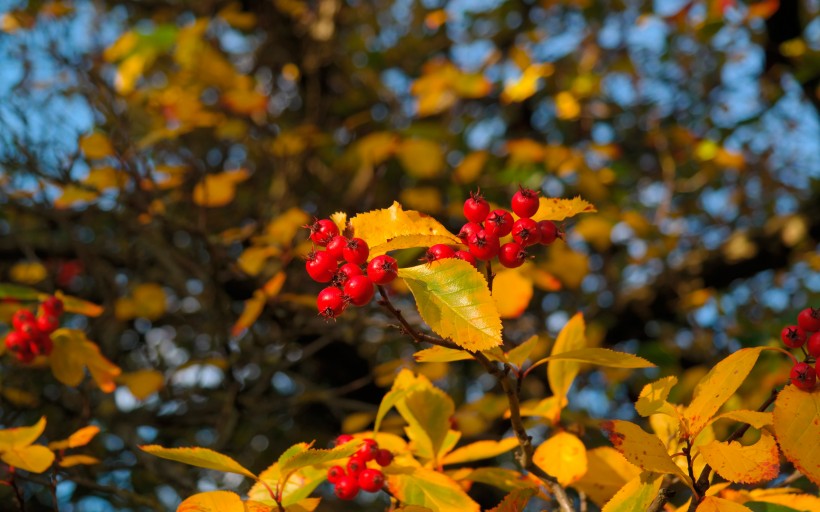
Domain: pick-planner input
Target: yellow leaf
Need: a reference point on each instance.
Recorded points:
(300, 483)
(421, 158)
(525, 151)
(470, 168)
(652, 399)
(797, 428)
(142, 383)
(340, 219)
(516, 91)
(568, 266)
(637, 494)
(425, 199)
(480, 450)
(566, 106)
(595, 230)
(75, 305)
(21, 436)
(431, 489)
(641, 448)
(759, 462)
(378, 227)
(522, 352)
(438, 354)
(96, 145)
(237, 18)
(512, 293)
(756, 419)
(560, 374)
(548, 408)
(28, 272)
(555, 209)
(34, 458)
(375, 148)
(607, 472)
(714, 504)
(253, 259)
(788, 497)
(213, 501)
(199, 457)
(72, 353)
(149, 301)
(79, 438)
(78, 460)
(217, 190)
(252, 309)
(283, 228)
(718, 386)
(600, 357)
(562, 456)
(410, 241)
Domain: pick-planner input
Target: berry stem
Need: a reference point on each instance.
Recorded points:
(490, 275)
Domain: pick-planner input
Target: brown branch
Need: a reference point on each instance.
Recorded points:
(664, 495)
(418, 337)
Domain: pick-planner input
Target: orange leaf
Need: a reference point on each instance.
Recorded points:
(797, 428)
(77, 460)
(562, 456)
(555, 209)
(79, 438)
(217, 190)
(512, 292)
(714, 504)
(759, 462)
(72, 353)
(96, 145)
(641, 448)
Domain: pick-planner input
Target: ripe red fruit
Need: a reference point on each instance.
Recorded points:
(549, 232)
(53, 306)
(468, 229)
(813, 345)
(803, 376)
(342, 439)
(438, 252)
(320, 266)
(483, 245)
(368, 450)
(323, 231)
(384, 457)
(336, 246)
(48, 323)
(809, 319)
(382, 269)
(466, 256)
(330, 302)
(22, 317)
(359, 290)
(42, 345)
(512, 255)
(25, 354)
(525, 202)
(498, 223)
(345, 273)
(525, 232)
(356, 251)
(793, 336)
(355, 465)
(476, 207)
(371, 480)
(335, 474)
(16, 341)
(346, 488)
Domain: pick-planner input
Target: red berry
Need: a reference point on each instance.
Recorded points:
(438, 252)
(22, 317)
(382, 269)
(813, 345)
(466, 256)
(483, 245)
(525, 232)
(371, 480)
(468, 229)
(53, 306)
(476, 207)
(498, 223)
(25, 355)
(803, 376)
(549, 232)
(346, 488)
(335, 474)
(512, 255)
(336, 246)
(16, 341)
(368, 450)
(342, 439)
(48, 323)
(30, 330)
(355, 465)
(384, 457)
(320, 266)
(330, 302)
(356, 251)
(525, 203)
(809, 319)
(345, 273)
(359, 290)
(323, 231)
(793, 336)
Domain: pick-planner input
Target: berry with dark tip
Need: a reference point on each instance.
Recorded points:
(359, 290)
(368, 450)
(793, 336)
(336, 246)
(330, 302)
(347, 488)
(466, 256)
(356, 251)
(335, 474)
(525, 203)
(525, 232)
(498, 223)
(549, 232)
(809, 319)
(382, 269)
(384, 457)
(512, 255)
(322, 231)
(803, 376)
(476, 207)
(320, 266)
(467, 230)
(438, 252)
(483, 245)
(355, 465)
(371, 480)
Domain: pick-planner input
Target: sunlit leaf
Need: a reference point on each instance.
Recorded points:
(607, 472)
(431, 489)
(96, 145)
(554, 209)
(220, 501)
(715, 504)
(142, 383)
(759, 462)
(480, 450)
(637, 494)
(76, 305)
(73, 353)
(599, 357)
(652, 399)
(252, 309)
(78, 460)
(756, 419)
(512, 292)
(797, 428)
(380, 226)
(33, 458)
(561, 373)
(641, 448)
(521, 353)
(216, 190)
(18, 437)
(562, 456)
(515, 501)
(438, 354)
(313, 457)
(199, 457)
(300, 484)
(79, 438)
(421, 158)
(501, 478)
(427, 411)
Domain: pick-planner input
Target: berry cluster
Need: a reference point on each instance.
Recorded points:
(804, 335)
(30, 335)
(341, 265)
(484, 229)
(348, 483)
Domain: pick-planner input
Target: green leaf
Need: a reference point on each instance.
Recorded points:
(313, 457)
(199, 457)
(637, 494)
(453, 299)
(515, 501)
(15, 291)
(390, 399)
(431, 489)
(300, 484)
(427, 411)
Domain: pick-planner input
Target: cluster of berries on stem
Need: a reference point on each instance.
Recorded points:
(806, 336)
(31, 335)
(341, 264)
(348, 481)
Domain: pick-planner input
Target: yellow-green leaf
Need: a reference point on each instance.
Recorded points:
(427, 411)
(560, 374)
(199, 457)
(300, 484)
(641, 448)
(515, 501)
(76, 305)
(797, 428)
(438, 354)
(34, 458)
(480, 450)
(715, 504)
(756, 419)
(79, 438)
(554, 209)
(15, 291)
(637, 494)
(453, 299)
(652, 399)
(431, 489)
(72, 353)
(380, 226)
(607, 472)
(599, 357)
(759, 462)
(521, 353)
(504, 479)
(562, 456)
(313, 457)
(21, 436)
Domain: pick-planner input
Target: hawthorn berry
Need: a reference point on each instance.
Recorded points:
(476, 207)
(525, 202)
(803, 376)
(336, 246)
(466, 256)
(382, 269)
(355, 465)
(793, 336)
(16, 341)
(813, 345)
(356, 251)
(342, 439)
(359, 290)
(438, 252)
(809, 319)
(345, 273)
(323, 231)
(330, 302)
(43, 345)
(48, 323)
(549, 232)
(483, 245)
(512, 255)
(525, 232)
(368, 450)
(498, 223)
(22, 317)
(320, 266)
(346, 488)
(335, 474)
(467, 230)
(371, 480)
(53, 306)
(384, 457)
